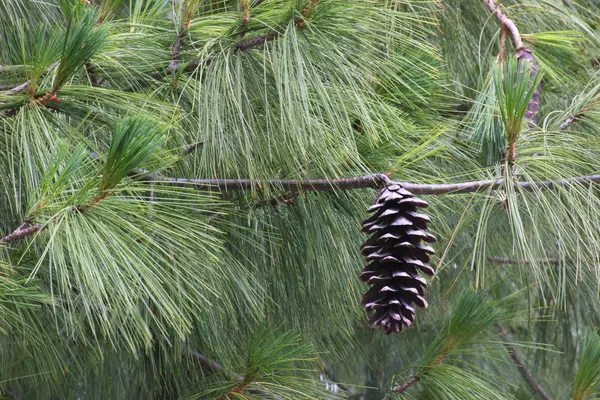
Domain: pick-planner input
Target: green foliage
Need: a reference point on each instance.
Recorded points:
(134, 141)
(514, 89)
(588, 370)
(83, 37)
(472, 314)
(278, 365)
(130, 281)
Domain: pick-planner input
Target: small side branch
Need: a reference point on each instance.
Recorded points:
(507, 26)
(214, 366)
(520, 361)
(94, 80)
(576, 117)
(175, 51)
(260, 40)
(570, 121)
(256, 41)
(506, 23)
(26, 229)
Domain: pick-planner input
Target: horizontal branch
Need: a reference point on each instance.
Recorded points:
(515, 261)
(367, 181)
(404, 387)
(370, 181)
(23, 86)
(361, 182)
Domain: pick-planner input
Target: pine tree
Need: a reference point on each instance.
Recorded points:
(184, 185)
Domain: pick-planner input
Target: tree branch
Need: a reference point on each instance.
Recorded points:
(370, 181)
(506, 23)
(176, 49)
(256, 41)
(94, 80)
(216, 367)
(23, 86)
(360, 182)
(502, 45)
(210, 364)
(570, 121)
(367, 181)
(26, 229)
(404, 387)
(525, 372)
(508, 260)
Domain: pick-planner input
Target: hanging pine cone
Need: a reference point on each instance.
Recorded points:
(395, 256)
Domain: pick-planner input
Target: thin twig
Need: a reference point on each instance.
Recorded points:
(520, 361)
(370, 181)
(502, 45)
(23, 86)
(211, 364)
(570, 121)
(192, 148)
(523, 54)
(256, 41)
(175, 51)
(217, 367)
(94, 80)
(404, 387)
(516, 261)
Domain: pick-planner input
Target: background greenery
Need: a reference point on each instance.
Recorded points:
(136, 288)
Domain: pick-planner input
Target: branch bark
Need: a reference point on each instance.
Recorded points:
(576, 117)
(520, 361)
(26, 229)
(515, 261)
(506, 23)
(23, 86)
(211, 364)
(370, 181)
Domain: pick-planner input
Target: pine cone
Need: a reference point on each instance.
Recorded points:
(395, 257)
